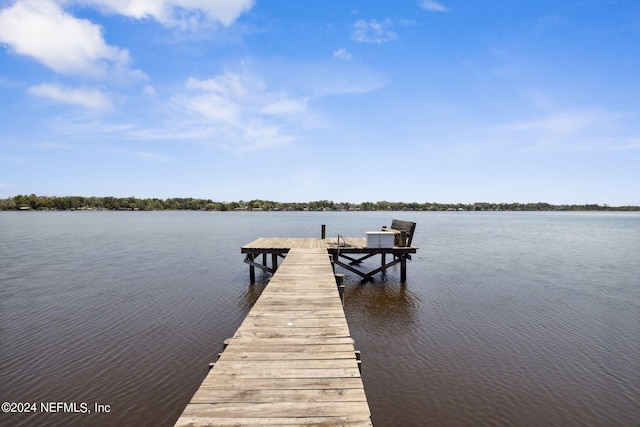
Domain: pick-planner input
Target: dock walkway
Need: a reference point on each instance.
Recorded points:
(291, 361)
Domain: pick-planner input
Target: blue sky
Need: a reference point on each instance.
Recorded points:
(421, 100)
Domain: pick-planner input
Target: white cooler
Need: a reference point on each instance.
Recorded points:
(380, 239)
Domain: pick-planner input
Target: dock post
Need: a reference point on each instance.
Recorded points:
(403, 268)
(252, 270)
(323, 231)
(274, 261)
(340, 284)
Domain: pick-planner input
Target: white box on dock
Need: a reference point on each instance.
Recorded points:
(380, 239)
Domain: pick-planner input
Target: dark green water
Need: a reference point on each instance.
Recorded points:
(505, 319)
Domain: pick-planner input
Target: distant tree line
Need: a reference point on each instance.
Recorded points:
(46, 203)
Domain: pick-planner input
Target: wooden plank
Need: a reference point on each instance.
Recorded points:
(240, 345)
(235, 354)
(257, 365)
(292, 360)
(300, 313)
(352, 421)
(265, 396)
(281, 372)
(260, 323)
(292, 322)
(294, 340)
(271, 306)
(290, 409)
(230, 382)
(272, 333)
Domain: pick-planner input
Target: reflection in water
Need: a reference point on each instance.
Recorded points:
(253, 292)
(383, 320)
(392, 305)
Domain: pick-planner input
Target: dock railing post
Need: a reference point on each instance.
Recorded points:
(323, 231)
(252, 270)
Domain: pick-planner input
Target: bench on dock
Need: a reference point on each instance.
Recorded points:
(397, 227)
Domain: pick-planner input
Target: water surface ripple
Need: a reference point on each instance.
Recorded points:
(506, 318)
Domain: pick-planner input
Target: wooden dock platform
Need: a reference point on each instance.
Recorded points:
(347, 252)
(292, 360)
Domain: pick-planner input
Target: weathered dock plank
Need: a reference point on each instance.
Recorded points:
(292, 360)
(232, 383)
(306, 421)
(290, 408)
(266, 396)
(261, 355)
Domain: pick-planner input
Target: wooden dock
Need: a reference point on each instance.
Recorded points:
(347, 252)
(292, 360)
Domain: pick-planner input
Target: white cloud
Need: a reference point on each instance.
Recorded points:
(568, 130)
(89, 98)
(41, 30)
(318, 80)
(373, 31)
(280, 105)
(433, 6)
(227, 84)
(152, 156)
(347, 82)
(343, 54)
(557, 123)
(181, 13)
(54, 146)
(150, 91)
(240, 112)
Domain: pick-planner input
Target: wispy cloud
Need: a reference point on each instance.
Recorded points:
(152, 156)
(12, 159)
(342, 54)
(239, 111)
(433, 6)
(89, 98)
(53, 146)
(557, 123)
(150, 91)
(321, 79)
(41, 30)
(373, 31)
(569, 130)
(176, 13)
(235, 110)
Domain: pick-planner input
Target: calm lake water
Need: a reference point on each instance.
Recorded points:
(506, 318)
